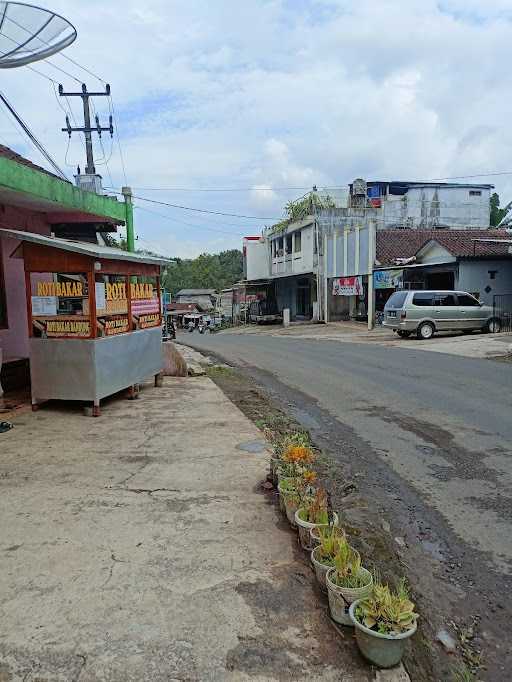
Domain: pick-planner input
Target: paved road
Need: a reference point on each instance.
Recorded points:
(440, 424)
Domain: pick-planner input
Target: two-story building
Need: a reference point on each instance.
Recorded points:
(320, 266)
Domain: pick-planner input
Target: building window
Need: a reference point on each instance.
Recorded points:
(492, 274)
(3, 296)
(297, 243)
(280, 252)
(289, 238)
(475, 193)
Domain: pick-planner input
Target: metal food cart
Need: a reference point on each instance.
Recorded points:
(94, 318)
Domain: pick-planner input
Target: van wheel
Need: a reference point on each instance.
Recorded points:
(493, 326)
(403, 334)
(425, 330)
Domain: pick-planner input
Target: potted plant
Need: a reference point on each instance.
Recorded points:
(295, 479)
(281, 445)
(312, 512)
(384, 621)
(324, 553)
(346, 582)
(289, 497)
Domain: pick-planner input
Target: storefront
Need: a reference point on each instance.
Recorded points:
(348, 298)
(94, 318)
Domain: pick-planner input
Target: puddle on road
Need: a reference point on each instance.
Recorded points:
(305, 418)
(253, 446)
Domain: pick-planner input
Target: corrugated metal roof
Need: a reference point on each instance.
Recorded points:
(85, 248)
(196, 292)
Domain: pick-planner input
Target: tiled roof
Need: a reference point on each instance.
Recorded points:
(184, 307)
(393, 244)
(8, 153)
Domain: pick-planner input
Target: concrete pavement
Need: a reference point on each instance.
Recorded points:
(139, 546)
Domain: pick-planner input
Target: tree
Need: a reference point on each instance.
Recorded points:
(207, 271)
(498, 215)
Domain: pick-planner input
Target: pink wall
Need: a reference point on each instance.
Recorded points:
(14, 340)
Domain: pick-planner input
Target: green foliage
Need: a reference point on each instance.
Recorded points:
(348, 567)
(301, 208)
(331, 538)
(498, 214)
(387, 612)
(314, 507)
(207, 271)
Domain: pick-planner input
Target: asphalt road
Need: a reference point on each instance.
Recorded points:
(439, 424)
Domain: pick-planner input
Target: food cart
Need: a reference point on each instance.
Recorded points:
(94, 318)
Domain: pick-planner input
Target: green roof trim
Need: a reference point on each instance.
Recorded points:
(39, 185)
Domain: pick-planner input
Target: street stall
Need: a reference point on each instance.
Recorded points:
(94, 318)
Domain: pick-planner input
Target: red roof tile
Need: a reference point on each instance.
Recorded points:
(393, 244)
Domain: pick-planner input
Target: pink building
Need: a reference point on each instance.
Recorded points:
(34, 200)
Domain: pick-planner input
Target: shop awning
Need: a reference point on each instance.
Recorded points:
(84, 248)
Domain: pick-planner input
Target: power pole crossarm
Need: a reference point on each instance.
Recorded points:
(87, 129)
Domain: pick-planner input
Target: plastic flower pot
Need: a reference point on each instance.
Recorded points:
(274, 470)
(314, 537)
(340, 598)
(291, 507)
(286, 496)
(305, 528)
(320, 569)
(384, 651)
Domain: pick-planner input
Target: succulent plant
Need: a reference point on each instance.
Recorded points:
(387, 612)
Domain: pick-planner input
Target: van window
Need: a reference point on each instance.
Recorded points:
(396, 300)
(466, 299)
(425, 299)
(445, 300)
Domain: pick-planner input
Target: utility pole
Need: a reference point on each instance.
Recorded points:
(87, 129)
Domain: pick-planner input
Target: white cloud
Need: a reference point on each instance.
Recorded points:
(280, 93)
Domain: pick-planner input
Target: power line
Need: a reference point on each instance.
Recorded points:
(33, 138)
(199, 210)
(215, 189)
(118, 138)
(183, 222)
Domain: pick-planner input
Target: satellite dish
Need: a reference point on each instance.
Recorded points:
(29, 33)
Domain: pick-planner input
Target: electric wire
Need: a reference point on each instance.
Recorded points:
(179, 221)
(32, 137)
(199, 210)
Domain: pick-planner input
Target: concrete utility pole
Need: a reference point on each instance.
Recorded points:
(86, 129)
(130, 235)
(371, 262)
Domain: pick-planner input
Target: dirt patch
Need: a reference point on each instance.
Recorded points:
(361, 517)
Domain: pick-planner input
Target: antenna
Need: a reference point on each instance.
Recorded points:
(90, 180)
(29, 33)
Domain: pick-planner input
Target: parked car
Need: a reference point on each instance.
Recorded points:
(425, 312)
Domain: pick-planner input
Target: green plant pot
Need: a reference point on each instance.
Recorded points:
(384, 651)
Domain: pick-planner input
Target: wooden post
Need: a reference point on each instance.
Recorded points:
(28, 294)
(91, 283)
(129, 302)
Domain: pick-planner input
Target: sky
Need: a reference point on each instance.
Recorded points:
(274, 94)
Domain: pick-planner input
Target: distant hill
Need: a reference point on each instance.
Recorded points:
(207, 271)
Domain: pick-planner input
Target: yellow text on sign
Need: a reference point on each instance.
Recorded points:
(60, 289)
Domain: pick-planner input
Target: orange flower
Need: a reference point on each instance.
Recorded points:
(297, 454)
(309, 477)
